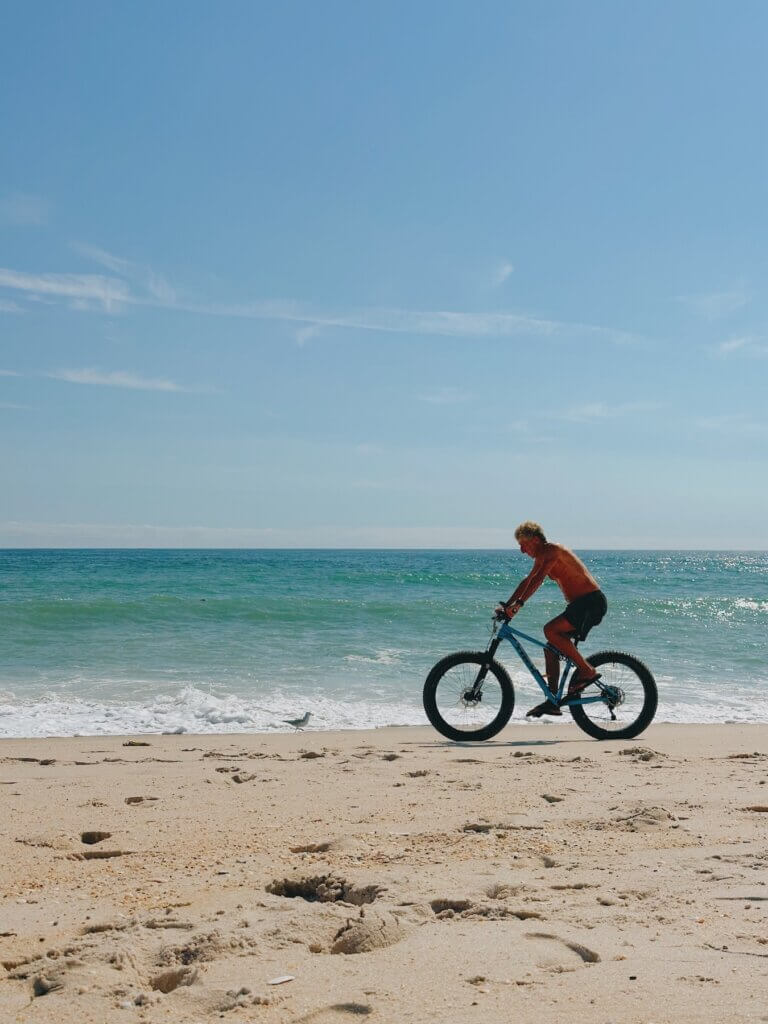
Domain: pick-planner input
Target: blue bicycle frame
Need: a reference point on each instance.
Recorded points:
(507, 632)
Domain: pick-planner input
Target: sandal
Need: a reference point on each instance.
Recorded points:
(578, 686)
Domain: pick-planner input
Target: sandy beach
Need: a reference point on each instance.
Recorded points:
(386, 875)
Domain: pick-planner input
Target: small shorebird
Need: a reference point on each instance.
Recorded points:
(299, 723)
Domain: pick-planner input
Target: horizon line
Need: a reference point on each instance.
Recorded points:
(580, 547)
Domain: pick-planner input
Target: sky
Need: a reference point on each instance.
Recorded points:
(383, 274)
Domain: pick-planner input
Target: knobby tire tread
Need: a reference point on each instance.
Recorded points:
(647, 712)
(437, 672)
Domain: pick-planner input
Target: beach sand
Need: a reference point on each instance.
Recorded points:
(390, 875)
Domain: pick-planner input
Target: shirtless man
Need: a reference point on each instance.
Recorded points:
(586, 608)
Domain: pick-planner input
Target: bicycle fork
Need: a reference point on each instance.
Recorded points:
(475, 691)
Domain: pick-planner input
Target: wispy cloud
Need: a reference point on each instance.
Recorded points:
(22, 209)
(115, 379)
(501, 274)
(446, 396)
(713, 305)
(10, 307)
(730, 424)
(9, 373)
(745, 346)
(139, 286)
(408, 321)
(593, 411)
(109, 292)
(153, 284)
(304, 334)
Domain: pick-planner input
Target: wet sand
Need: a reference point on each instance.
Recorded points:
(386, 875)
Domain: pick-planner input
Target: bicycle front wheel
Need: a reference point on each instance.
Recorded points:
(628, 698)
(459, 710)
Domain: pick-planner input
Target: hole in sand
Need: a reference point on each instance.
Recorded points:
(90, 838)
(170, 980)
(324, 889)
(457, 906)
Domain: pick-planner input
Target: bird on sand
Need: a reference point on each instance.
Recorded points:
(299, 723)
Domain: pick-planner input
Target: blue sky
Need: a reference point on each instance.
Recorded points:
(396, 274)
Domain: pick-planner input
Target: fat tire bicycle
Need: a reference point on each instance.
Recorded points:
(469, 695)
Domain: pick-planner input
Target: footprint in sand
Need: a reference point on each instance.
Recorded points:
(99, 854)
(589, 956)
(646, 819)
(335, 1012)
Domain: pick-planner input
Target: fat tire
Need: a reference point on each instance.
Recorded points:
(650, 702)
(430, 696)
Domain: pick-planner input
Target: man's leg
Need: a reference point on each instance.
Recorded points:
(549, 707)
(552, 663)
(559, 633)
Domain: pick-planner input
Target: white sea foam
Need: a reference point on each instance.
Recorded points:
(196, 711)
(388, 656)
(750, 605)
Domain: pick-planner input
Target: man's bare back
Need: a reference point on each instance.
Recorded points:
(567, 570)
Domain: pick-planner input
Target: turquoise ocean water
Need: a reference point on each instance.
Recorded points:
(127, 641)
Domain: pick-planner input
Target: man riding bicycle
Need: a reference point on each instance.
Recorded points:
(586, 607)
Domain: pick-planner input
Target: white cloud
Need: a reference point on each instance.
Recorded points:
(446, 396)
(151, 290)
(304, 334)
(147, 279)
(738, 424)
(108, 291)
(102, 257)
(10, 307)
(22, 209)
(593, 411)
(115, 379)
(713, 305)
(9, 373)
(746, 346)
(408, 321)
(501, 273)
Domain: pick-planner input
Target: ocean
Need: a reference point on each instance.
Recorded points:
(199, 641)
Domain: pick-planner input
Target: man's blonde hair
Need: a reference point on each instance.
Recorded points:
(529, 529)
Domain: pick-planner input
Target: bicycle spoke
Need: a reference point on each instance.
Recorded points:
(623, 702)
(458, 706)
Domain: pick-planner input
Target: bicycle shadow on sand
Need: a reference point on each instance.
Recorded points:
(492, 744)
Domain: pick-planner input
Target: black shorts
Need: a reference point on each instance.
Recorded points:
(586, 611)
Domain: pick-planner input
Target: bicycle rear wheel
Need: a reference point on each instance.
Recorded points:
(629, 698)
(454, 710)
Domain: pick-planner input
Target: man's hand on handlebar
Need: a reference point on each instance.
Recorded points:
(507, 611)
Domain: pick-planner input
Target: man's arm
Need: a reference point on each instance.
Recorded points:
(527, 587)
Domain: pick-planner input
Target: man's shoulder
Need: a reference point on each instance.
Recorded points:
(550, 552)
(553, 549)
